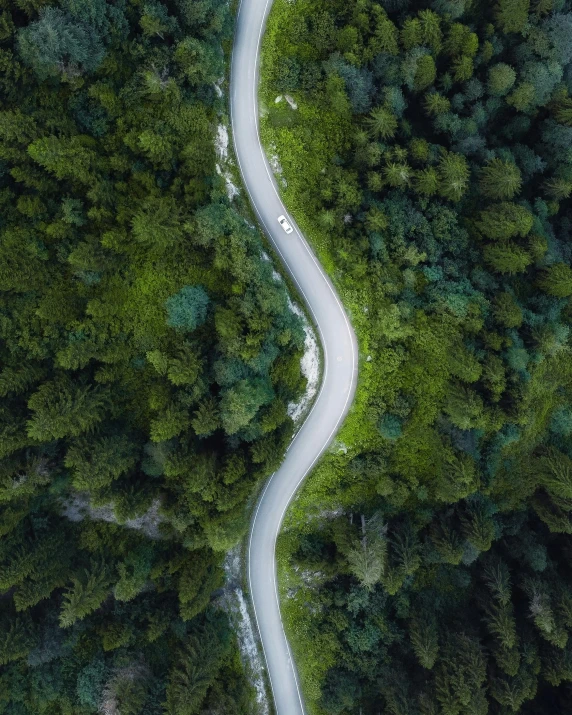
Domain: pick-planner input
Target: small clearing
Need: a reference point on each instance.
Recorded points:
(78, 507)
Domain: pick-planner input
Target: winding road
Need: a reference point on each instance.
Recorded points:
(339, 349)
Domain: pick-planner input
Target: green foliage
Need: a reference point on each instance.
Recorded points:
(425, 73)
(557, 280)
(382, 123)
(56, 44)
(447, 232)
(436, 104)
(453, 176)
(62, 409)
(500, 179)
(240, 404)
(507, 311)
(423, 634)
(501, 79)
(84, 596)
(139, 322)
(187, 310)
(512, 15)
(504, 220)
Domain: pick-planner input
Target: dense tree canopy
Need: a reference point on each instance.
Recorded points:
(431, 158)
(147, 358)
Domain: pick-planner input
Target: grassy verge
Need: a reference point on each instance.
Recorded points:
(303, 150)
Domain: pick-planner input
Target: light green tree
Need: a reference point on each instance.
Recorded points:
(507, 257)
(557, 280)
(500, 179)
(382, 123)
(505, 220)
(436, 104)
(425, 73)
(463, 68)
(512, 15)
(501, 79)
(453, 176)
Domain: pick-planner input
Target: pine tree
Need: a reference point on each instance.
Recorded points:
(155, 20)
(186, 367)
(65, 158)
(376, 219)
(507, 311)
(461, 41)
(397, 175)
(382, 123)
(431, 30)
(501, 79)
(425, 73)
(558, 188)
(367, 558)
(500, 179)
(385, 38)
(507, 258)
(505, 220)
(522, 97)
(405, 549)
(463, 68)
(436, 104)
(411, 34)
(206, 418)
(15, 380)
(478, 525)
(453, 176)
(557, 474)
(85, 595)
(423, 635)
(557, 280)
(426, 182)
(464, 406)
(32, 591)
(171, 422)
(56, 43)
(64, 409)
(447, 543)
(542, 612)
(512, 15)
(16, 639)
(187, 686)
(564, 112)
(97, 463)
(127, 690)
(460, 676)
(514, 692)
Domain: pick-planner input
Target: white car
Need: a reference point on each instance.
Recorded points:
(284, 223)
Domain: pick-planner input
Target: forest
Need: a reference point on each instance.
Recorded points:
(425, 148)
(147, 358)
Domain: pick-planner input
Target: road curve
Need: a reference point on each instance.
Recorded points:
(339, 349)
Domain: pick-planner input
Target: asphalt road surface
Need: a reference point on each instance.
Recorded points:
(339, 349)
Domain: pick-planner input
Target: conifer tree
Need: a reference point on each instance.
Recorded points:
(423, 634)
(382, 123)
(436, 104)
(453, 175)
(557, 280)
(85, 595)
(501, 79)
(512, 15)
(500, 179)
